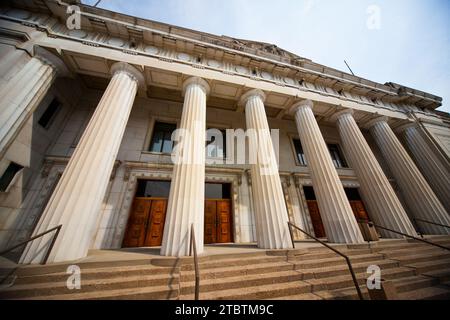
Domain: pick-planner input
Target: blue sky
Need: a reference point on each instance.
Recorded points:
(403, 41)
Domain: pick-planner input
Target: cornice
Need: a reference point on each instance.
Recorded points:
(56, 30)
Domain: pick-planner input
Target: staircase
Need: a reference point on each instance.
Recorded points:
(418, 271)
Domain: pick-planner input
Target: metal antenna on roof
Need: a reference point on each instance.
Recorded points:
(349, 67)
(96, 4)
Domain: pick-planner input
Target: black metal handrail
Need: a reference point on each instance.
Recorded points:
(55, 236)
(431, 222)
(193, 248)
(403, 234)
(347, 259)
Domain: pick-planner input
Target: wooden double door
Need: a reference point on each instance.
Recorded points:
(319, 230)
(217, 221)
(146, 223)
(147, 217)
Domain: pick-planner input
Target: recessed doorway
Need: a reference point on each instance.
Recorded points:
(218, 217)
(147, 217)
(148, 214)
(354, 199)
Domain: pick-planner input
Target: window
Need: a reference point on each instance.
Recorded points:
(217, 190)
(214, 147)
(9, 175)
(49, 114)
(153, 189)
(162, 137)
(336, 156)
(335, 153)
(309, 193)
(299, 152)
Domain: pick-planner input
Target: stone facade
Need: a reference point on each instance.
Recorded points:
(114, 81)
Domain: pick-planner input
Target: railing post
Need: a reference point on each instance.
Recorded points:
(349, 264)
(292, 236)
(405, 235)
(51, 245)
(197, 274)
(55, 236)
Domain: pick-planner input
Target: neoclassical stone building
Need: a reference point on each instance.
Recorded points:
(87, 116)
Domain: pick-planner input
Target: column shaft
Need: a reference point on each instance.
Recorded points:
(187, 190)
(271, 215)
(421, 200)
(20, 97)
(337, 215)
(77, 199)
(384, 207)
(436, 173)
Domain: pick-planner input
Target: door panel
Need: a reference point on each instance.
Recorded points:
(155, 226)
(137, 223)
(359, 210)
(223, 221)
(210, 221)
(316, 220)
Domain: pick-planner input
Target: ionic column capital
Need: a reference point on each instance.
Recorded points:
(202, 83)
(52, 60)
(300, 104)
(373, 122)
(252, 93)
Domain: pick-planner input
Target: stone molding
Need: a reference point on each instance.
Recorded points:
(92, 39)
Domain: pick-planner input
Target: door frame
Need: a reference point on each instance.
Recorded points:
(231, 219)
(163, 172)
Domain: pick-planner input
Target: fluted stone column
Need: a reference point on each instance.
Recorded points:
(21, 95)
(77, 198)
(384, 207)
(335, 210)
(419, 196)
(271, 217)
(187, 190)
(436, 173)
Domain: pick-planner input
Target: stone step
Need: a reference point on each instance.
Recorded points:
(302, 296)
(426, 266)
(33, 270)
(144, 293)
(414, 283)
(406, 252)
(268, 291)
(221, 284)
(442, 275)
(99, 273)
(242, 271)
(341, 294)
(333, 271)
(60, 288)
(241, 261)
(428, 293)
(327, 254)
(414, 257)
(346, 281)
(337, 261)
